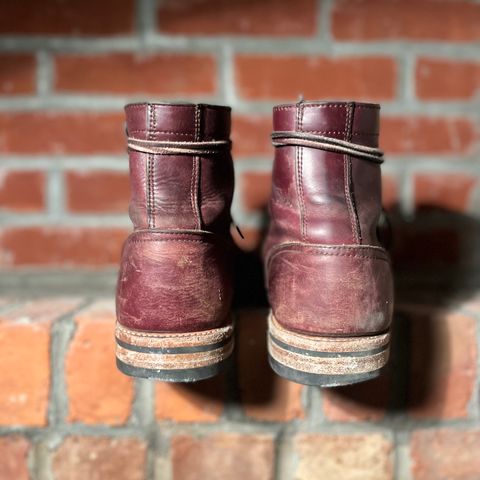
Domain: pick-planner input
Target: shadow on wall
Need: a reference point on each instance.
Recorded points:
(436, 266)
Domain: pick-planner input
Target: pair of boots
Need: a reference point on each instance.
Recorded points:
(328, 276)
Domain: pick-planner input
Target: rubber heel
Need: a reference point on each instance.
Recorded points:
(173, 357)
(326, 361)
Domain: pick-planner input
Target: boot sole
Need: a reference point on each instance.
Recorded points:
(326, 361)
(173, 357)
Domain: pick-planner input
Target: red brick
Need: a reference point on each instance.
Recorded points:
(62, 132)
(255, 189)
(449, 191)
(100, 458)
(57, 17)
(450, 20)
(443, 363)
(61, 246)
(196, 402)
(348, 457)
(389, 192)
(427, 135)
(357, 403)
(445, 453)
(439, 79)
(123, 73)
(25, 359)
(217, 17)
(265, 396)
(107, 191)
(22, 191)
(97, 391)
(267, 77)
(251, 135)
(14, 454)
(17, 75)
(223, 455)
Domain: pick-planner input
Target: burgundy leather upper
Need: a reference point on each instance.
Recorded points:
(172, 175)
(320, 200)
(175, 274)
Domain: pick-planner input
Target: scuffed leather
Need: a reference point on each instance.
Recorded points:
(330, 290)
(312, 289)
(174, 282)
(175, 273)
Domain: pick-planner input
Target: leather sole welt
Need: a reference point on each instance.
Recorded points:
(326, 361)
(173, 357)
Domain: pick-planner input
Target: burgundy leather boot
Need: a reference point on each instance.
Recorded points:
(329, 278)
(175, 283)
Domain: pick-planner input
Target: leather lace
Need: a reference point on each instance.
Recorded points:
(303, 139)
(167, 147)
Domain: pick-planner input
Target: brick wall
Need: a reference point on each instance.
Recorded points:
(67, 413)
(67, 69)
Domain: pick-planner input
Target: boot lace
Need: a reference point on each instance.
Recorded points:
(301, 139)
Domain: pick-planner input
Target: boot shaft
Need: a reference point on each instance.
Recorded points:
(329, 281)
(322, 246)
(180, 191)
(182, 186)
(321, 196)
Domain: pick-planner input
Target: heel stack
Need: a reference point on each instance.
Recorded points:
(173, 357)
(326, 361)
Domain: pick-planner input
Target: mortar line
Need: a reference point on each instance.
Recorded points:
(114, 103)
(407, 194)
(324, 24)
(44, 73)
(286, 459)
(144, 21)
(402, 461)
(142, 413)
(265, 44)
(86, 221)
(162, 448)
(254, 164)
(62, 333)
(226, 77)
(40, 461)
(419, 162)
(150, 433)
(474, 404)
(313, 406)
(55, 193)
(409, 79)
(250, 426)
(232, 393)
(63, 162)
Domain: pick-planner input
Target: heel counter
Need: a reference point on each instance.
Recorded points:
(339, 290)
(173, 282)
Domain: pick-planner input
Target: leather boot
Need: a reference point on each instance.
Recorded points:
(328, 276)
(174, 288)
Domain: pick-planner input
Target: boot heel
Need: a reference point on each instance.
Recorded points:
(173, 357)
(326, 361)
